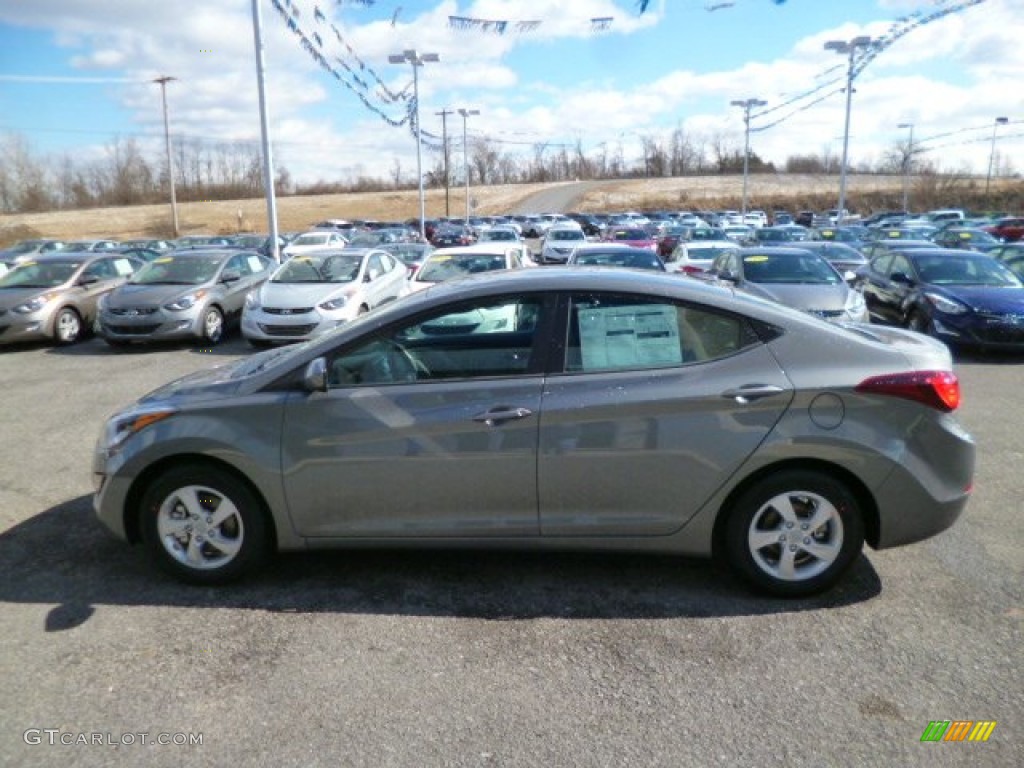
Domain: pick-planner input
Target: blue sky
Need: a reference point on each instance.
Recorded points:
(76, 74)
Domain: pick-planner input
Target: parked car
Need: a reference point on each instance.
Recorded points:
(54, 296)
(635, 237)
(668, 237)
(965, 237)
(1009, 229)
(615, 255)
(27, 249)
(771, 236)
(559, 241)
(450, 235)
(961, 297)
(410, 254)
(618, 409)
(91, 245)
(793, 277)
(189, 294)
(696, 256)
(452, 263)
(201, 241)
(312, 294)
(1010, 254)
(313, 241)
(150, 243)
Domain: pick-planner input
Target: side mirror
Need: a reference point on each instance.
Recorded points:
(727, 275)
(314, 379)
(230, 276)
(849, 276)
(88, 280)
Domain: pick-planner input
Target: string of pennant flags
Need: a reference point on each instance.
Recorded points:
(862, 57)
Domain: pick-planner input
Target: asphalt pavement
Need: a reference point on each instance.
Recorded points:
(466, 659)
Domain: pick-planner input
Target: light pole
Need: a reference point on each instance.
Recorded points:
(443, 114)
(746, 105)
(167, 143)
(907, 161)
(465, 161)
(417, 60)
(992, 153)
(847, 48)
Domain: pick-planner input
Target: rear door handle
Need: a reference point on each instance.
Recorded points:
(501, 414)
(751, 392)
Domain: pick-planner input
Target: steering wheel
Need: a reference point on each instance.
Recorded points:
(393, 364)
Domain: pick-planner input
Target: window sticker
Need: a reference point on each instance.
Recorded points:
(629, 337)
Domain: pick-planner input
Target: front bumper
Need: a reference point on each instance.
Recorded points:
(15, 327)
(987, 331)
(150, 324)
(292, 325)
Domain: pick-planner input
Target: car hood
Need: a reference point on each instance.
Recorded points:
(805, 297)
(296, 295)
(212, 383)
(986, 298)
(136, 295)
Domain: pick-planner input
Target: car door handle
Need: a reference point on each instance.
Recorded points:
(502, 413)
(750, 392)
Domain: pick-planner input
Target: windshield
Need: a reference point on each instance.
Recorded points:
(311, 239)
(437, 269)
(629, 234)
(961, 270)
(632, 258)
(333, 268)
(565, 235)
(178, 270)
(497, 235)
(802, 269)
(34, 274)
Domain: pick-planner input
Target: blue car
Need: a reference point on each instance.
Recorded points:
(964, 298)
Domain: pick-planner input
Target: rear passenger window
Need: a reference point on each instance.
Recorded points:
(611, 333)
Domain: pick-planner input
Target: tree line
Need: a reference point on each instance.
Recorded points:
(122, 173)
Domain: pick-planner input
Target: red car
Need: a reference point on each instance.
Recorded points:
(633, 236)
(1010, 229)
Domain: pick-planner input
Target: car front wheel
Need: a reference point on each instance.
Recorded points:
(203, 525)
(213, 325)
(67, 326)
(794, 534)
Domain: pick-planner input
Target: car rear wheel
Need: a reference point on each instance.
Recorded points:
(213, 325)
(794, 534)
(203, 525)
(67, 326)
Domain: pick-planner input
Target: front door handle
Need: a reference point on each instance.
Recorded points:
(751, 392)
(501, 414)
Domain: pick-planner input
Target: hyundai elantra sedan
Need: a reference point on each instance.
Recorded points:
(182, 295)
(616, 409)
(315, 293)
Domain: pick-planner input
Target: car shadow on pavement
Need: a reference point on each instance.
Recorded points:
(231, 346)
(64, 557)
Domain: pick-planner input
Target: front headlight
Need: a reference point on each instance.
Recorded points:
(186, 302)
(123, 425)
(252, 300)
(336, 303)
(945, 305)
(34, 305)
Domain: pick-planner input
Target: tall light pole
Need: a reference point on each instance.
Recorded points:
(847, 48)
(268, 160)
(907, 161)
(443, 114)
(417, 60)
(465, 157)
(992, 153)
(746, 105)
(167, 143)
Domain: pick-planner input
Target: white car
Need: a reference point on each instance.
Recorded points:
(560, 241)
(452, 263)
(695, 256)
(311, 242)
(311, 294)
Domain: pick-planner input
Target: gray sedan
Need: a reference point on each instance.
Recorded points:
(54, 296)
(795, 277)
(182, 295)
(612, 409)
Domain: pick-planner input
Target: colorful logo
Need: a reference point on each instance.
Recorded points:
(958, 730)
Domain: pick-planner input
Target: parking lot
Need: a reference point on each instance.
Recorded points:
(465, 659)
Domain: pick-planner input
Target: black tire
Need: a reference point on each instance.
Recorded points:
(192, 544)
(213, 325)
(67, 326)
(773, 554)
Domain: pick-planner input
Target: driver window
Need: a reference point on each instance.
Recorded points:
(481, 339)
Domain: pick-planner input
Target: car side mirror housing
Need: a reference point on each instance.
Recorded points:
(314, 378)
(88, 280)
(230, 276)
(901, 277)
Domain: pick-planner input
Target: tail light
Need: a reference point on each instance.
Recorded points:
(936, 389)
(692, 270)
